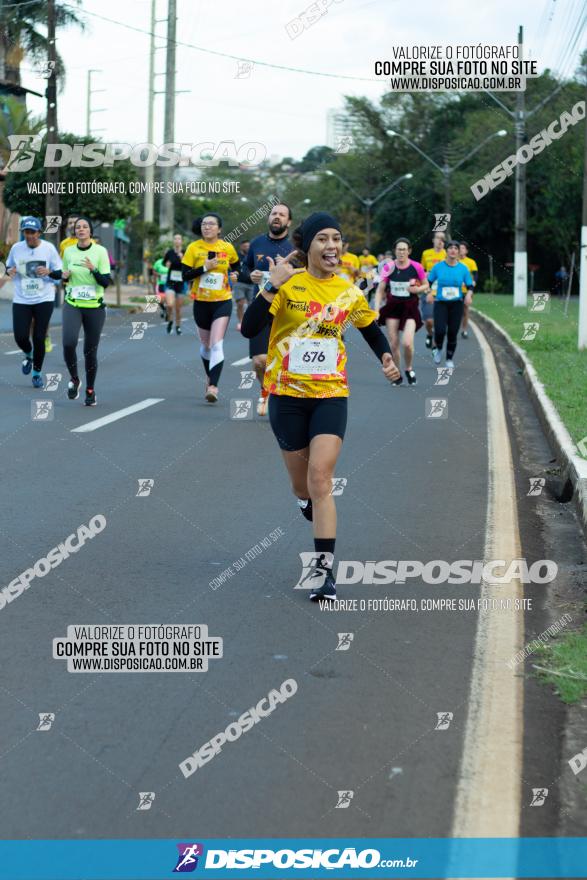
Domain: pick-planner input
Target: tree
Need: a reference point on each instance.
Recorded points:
(14, 120)
(19, 195)
(20, 35)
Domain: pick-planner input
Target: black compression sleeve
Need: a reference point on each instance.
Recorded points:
(235, 267)
(103, 279)
(189, 273)
(256, 317)
(375, 339)
(56, 274)
(244, 274)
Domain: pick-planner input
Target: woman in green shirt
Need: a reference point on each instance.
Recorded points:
(86, 273)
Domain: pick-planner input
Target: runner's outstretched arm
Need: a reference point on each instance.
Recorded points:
(256, 317)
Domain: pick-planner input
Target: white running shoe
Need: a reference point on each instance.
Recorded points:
(437, 355)
(450, 364)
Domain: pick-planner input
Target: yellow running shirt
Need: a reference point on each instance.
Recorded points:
(471, 266)
(69, 242)
(307, 356)
(366, 265)
(431, 257)
(211, 286)
(349, 267)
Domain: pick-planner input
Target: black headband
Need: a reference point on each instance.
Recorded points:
(314, 224)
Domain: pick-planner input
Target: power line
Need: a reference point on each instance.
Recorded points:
(570, 55)
(228, 55)
(567, 31)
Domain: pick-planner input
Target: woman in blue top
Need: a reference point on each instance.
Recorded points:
(450, 275)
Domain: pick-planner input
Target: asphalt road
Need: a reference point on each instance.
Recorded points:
(362, 720)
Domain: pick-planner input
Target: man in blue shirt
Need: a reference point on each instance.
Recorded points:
(450, 276)
(274, 244)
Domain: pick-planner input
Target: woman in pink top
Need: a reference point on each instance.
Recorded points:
(402, 280)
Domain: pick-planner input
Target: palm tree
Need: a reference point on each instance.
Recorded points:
(14, 119)
(20, 35)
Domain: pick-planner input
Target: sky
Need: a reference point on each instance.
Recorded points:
(283, 110)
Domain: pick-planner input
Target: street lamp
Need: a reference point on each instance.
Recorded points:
(445, 170)
(302, 204)
(368, 203)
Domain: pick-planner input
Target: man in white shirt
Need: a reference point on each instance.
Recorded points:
(34, 266)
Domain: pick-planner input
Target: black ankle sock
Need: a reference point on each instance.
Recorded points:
(324, 545)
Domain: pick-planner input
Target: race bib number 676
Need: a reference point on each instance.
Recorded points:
(313, 356)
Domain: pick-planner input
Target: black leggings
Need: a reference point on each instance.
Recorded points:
(22, 317)
(447, 320)
(93, 321)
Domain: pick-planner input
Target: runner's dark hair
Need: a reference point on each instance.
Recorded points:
(88, 221)
(197, 224)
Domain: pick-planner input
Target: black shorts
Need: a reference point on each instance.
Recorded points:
(206, 312)
(296, 420)
(259, 344)
(177, 287)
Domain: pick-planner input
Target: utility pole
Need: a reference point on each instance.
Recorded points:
(149, 200)
(446, 175)
(520, 254)
(51, 174)
(583, 260)
(368, 204)
(166, 217)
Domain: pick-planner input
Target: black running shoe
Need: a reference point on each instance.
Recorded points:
(305, 505)
(178, 330)
(325, 586)
(169, 326)
(399, 381)
(27, 365)
(411, 377)
(73, 389)
(428, 342)
(90, 397)
(465, 334)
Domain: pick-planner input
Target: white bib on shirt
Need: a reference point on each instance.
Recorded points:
(399, 288)
(212, 281)
(32, 286)
(317, 356)
(82, 291)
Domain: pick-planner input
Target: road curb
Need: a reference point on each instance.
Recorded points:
(573, 467)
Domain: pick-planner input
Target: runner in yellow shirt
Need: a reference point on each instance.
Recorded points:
(306, 375)
(429, 258)
(473, 269)
(349, 263)
(367, 267)
(212, 264)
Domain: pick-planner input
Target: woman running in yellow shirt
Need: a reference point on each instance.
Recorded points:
(306, 373)
(209, 262)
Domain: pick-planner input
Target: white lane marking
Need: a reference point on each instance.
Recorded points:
(16, 351)
(115, 416)
(488, 799)
(241, 362)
